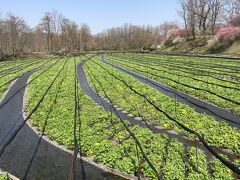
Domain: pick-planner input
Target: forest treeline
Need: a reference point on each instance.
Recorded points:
(56, 33)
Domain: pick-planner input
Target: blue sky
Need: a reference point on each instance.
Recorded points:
(98, 14)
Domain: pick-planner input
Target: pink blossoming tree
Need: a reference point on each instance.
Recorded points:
(227, 33)
(181, 33)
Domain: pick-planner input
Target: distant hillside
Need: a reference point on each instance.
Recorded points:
(199, 46)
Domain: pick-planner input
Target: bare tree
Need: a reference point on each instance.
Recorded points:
(201, 15)
(215, 15)
(191, 17)
(84, 35)
(132, 37)
(183, 12)
(47, 26)
(13, 35)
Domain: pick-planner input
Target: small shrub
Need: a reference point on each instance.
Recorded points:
(171, 34)
(169, 38)
(179, 39)
(213, 42)
(215, 45)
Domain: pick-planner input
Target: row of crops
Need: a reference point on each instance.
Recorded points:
(11, 70)
(62, 111)
(213, 80)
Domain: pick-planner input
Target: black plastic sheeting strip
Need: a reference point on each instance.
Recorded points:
(132, 134)
(44, 128)
(23, 111)
(227, 163)
(30, 114)
(199, 105)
